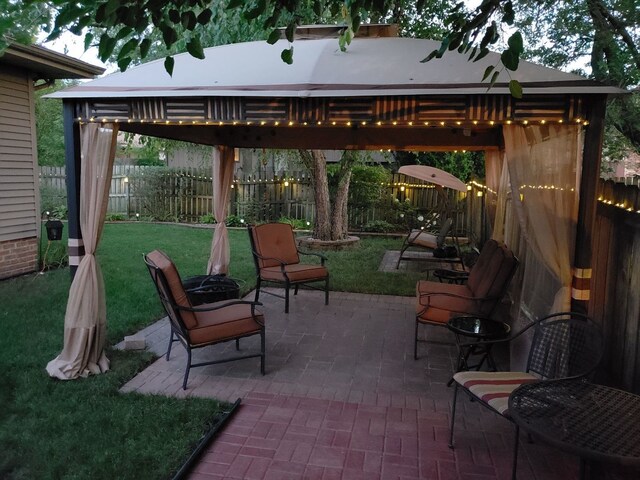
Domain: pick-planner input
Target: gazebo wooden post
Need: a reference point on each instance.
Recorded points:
(72, 163)
(592, 156)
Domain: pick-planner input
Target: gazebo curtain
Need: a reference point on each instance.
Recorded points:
(544, 165)
(85, 318)
(493, 170)
(536, 215)
(223, 165)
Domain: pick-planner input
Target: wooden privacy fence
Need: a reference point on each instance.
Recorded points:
(186, 195)
(615, 283)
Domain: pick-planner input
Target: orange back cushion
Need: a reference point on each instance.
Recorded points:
(491, 274)
(275, 241)
(164, 263)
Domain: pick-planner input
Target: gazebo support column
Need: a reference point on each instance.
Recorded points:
(72, 162)
(592, 156)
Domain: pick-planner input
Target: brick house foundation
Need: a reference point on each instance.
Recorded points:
(18, 257)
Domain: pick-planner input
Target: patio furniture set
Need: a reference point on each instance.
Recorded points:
(551, 399)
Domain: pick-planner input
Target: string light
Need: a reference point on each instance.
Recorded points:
(348, 123)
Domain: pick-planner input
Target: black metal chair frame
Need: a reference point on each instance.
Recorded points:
(287, 282)
(446, 230)
(566, 332)
(181, 333)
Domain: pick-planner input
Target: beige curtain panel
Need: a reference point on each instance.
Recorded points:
(223, 165)
(85, 319)
(544, 168)
(493, 169)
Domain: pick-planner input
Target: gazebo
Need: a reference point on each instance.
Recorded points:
(543, 150)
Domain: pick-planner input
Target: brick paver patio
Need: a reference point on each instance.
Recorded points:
(343, 398)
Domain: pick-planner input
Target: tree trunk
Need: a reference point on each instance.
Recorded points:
(316, 163)
(340, 213)
(330, 223)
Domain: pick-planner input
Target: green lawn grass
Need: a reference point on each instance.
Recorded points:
(51, 429)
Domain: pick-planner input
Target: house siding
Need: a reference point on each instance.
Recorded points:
(19, 196)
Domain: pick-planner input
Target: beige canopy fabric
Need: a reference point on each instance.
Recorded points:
(85, 319)
(433, 175)
(223, 163)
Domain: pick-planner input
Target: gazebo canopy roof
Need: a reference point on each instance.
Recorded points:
(376, 95)
(369, 67)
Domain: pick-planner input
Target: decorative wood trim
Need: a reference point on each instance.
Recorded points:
(402, 109)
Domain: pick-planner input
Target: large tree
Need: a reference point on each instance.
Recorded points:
(603, 34)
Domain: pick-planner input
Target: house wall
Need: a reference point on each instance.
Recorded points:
(19, 197)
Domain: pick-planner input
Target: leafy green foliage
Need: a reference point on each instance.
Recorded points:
(234, 221)
(296, 223)
(379, 226)
(603, 34)
(20, 21)
(52, 198)
(208, 218)
(49, 126)
(366, 185)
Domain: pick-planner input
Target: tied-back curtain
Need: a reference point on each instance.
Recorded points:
(544, 170)
(493, 170)
(223, 164)
(85, 318)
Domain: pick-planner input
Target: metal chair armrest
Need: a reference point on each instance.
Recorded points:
(216, 307)
(455, 295)
(261, 257)
(314, 254)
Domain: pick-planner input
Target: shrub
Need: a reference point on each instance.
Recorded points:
(297, 223)
(208, 218)
(52, 198)
(379, 226)
(115, 217)
(234, 221)
(59, 212)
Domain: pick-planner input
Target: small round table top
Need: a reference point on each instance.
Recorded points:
(592, 421)
(478, 327)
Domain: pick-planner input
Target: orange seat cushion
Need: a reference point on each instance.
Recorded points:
(445, 301)
(297, 273)
(224, 324)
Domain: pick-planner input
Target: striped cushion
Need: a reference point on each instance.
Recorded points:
(494, 388)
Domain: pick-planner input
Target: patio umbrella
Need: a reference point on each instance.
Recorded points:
(433, 175)
(439, 178)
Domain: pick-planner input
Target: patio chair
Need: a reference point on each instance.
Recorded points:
(564, 346)
(485, 287)
(434, 242)
(207, 324)
(277, 260)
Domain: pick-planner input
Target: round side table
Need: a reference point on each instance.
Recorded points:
(470, 332)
